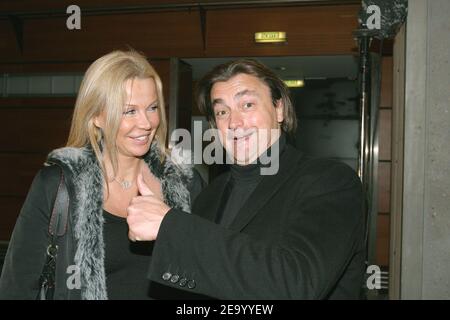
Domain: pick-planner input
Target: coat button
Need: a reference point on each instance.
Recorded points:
(191, 284)
(182, 282)
(166, 276)
(174, 278)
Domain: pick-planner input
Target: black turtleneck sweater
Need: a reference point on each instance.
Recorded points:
(243, 181)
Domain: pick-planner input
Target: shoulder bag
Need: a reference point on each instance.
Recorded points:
(57, 228)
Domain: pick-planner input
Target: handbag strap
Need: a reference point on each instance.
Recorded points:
(57, 227)
(60, 213)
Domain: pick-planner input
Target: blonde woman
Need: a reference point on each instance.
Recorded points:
(118, 133)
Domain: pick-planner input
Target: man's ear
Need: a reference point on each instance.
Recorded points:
(279, 109)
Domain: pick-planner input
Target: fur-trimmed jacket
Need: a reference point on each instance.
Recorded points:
(83, 244)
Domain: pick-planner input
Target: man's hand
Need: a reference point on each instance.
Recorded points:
(145, 214)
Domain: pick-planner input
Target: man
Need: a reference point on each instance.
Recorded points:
(295, 234)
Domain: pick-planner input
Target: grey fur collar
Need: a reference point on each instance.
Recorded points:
(86, 180)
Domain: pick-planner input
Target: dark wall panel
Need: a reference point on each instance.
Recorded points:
(18, 172)
(385, 123)
(33, 5)
(9, 209)
(384, 187)
(386, 83)
(310, 30)
(34, 130)
(162, 67)
(8, 44)
(160, 34)
(382, 249)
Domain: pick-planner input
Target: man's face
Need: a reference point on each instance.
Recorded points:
(247, 120)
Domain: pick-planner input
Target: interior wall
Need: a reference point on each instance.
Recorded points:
(311, 30)
(425, 265)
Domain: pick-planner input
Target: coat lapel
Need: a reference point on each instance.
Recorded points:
(215, 201)
(268, 186)
(174, 176)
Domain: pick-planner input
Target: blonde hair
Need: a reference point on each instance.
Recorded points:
(103, 90)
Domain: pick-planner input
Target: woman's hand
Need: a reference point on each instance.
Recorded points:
(145, 213)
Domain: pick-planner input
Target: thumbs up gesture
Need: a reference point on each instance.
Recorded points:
(145, 213)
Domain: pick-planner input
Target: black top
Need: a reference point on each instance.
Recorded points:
(126, 262)
(242, 183)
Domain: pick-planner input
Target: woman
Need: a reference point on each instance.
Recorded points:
(118, 133)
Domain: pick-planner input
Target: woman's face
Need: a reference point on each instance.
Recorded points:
(140, 118)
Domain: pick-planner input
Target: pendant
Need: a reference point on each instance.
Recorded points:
(125, 184)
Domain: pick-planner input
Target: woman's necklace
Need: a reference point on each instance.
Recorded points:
(125, 184)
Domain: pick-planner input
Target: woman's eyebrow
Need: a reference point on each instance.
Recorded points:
(134, 105)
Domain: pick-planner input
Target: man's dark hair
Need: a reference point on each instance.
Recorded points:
(226, 71)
